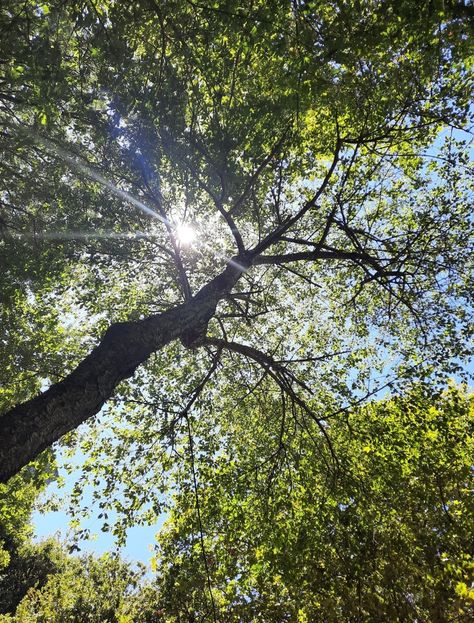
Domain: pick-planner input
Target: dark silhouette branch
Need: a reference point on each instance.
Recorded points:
(330, 254)
(258, 171)
(281, 375)
(276, 234)
(155, 196)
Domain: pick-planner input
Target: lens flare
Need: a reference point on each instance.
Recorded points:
(185, 234)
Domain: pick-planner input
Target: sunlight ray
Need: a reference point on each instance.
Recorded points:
(83, 235)
(87, 170)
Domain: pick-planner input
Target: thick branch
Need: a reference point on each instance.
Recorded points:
(258, 356)
(318, 254)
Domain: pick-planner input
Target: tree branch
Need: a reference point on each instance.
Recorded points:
(330, 254)
(277, 233)
(281, 375)
(226, 215)
(256, 174)
(156, 197)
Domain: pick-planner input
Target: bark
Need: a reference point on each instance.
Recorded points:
(32, 426)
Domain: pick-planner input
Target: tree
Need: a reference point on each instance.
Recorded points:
(99, 590)
(384, 538)
(299, 141)
(22, 565)
(41, 581)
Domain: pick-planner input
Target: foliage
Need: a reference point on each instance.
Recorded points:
(16, 504)
(97, 590)
(42, 582)
(385, 536)
(279, 536)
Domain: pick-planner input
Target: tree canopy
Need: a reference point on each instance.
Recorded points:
(223, 217)
(386, 537)
(42, 582)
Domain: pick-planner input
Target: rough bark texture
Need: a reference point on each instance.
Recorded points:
(29, 428)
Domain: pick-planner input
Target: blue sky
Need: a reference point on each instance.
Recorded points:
(140, 539)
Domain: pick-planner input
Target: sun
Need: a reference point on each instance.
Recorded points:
(185, 234)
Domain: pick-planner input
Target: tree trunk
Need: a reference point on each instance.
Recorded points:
(29, 428)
